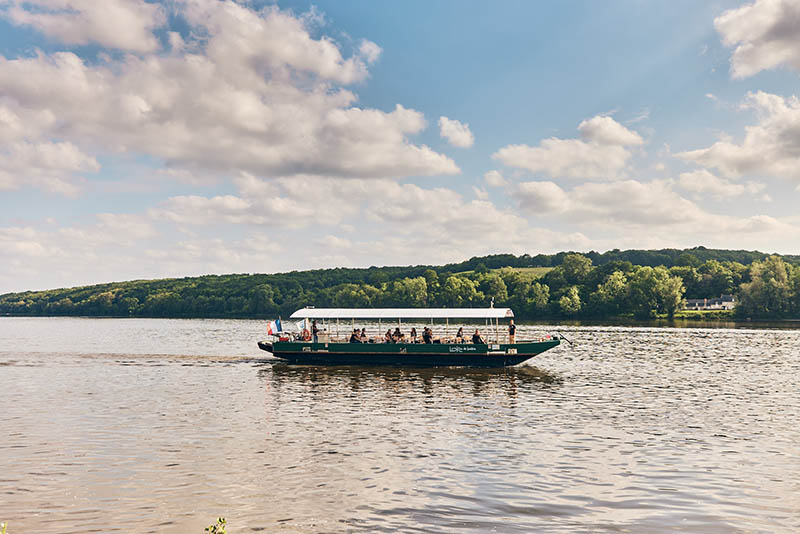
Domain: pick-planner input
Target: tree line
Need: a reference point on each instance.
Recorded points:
(767, 287)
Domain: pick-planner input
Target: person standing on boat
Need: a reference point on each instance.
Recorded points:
(512, 332)
(314, 331)
(413, 335)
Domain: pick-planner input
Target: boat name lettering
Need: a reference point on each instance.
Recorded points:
(463, 349)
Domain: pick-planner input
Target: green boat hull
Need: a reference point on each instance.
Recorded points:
(408, 354)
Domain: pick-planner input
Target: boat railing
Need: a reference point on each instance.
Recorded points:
(444, 334)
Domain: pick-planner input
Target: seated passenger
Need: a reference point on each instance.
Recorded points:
(460, 335)
(363, 335)
(476, 337)
(387, 338)
(355, 337)
(427, 335)
(397, 335)
(413, 335)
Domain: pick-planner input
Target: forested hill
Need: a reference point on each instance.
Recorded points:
(639, 283)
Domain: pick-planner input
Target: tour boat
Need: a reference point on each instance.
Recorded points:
(331, 349)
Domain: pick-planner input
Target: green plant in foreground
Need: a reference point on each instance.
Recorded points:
(218, 528)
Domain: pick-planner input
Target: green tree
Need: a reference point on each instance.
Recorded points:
(670, 294)
(432, 282)
(609, 298)
(409, 292)
(687, 259)
(458, 292)
(652, 290)
(570, 303)
(716, 279)
(354, 296)
(493, 287)
(576, 268)
(768, 294)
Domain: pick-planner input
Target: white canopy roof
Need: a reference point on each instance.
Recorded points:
(403, 313)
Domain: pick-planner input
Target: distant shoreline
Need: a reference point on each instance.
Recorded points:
(662, 322)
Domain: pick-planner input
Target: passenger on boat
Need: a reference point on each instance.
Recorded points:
(398, 335)
(363, 335)
(512, 332)
(314, 331)
(413, 335)
(427, 335)
(355, 337)
(387, 338)
(476, 337)
(460, 335)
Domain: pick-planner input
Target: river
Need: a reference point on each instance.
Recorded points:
(145, 425)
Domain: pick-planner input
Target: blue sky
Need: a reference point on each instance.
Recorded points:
(144, 140)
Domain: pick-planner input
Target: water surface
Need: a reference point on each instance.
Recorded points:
(162, 425)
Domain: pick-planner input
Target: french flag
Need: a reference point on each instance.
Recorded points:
(273, 327)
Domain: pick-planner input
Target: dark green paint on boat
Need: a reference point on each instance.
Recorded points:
(408, 354)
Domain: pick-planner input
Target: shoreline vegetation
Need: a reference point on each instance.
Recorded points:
(616, 286)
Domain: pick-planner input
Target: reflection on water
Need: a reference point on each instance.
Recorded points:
(632, 429)
(347, 376)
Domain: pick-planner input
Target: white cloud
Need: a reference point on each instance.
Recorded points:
(480, 194)
(495, 179)
(87, 253)
(765, 34)
(770, 147)
(703, 181)
(541, 197)
(272, 101)
(400, 217)
(602, 154)
(121, 24)
(456, 132)
(48, 166)
(650, 214)
(369, 51)
(625, 201)
(604, 130)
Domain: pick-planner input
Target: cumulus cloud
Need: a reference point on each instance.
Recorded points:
(402, 215)
(705, 182)
(456, 132)
(604, 130)
(248, 91)
(318, 200)
(770, 147)
(52, 167)
(627, 201)
(121, 24)
(495, 179)
(539, 198)
(88, 253)
(765, 35)
(602, 153)
(622, 211)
